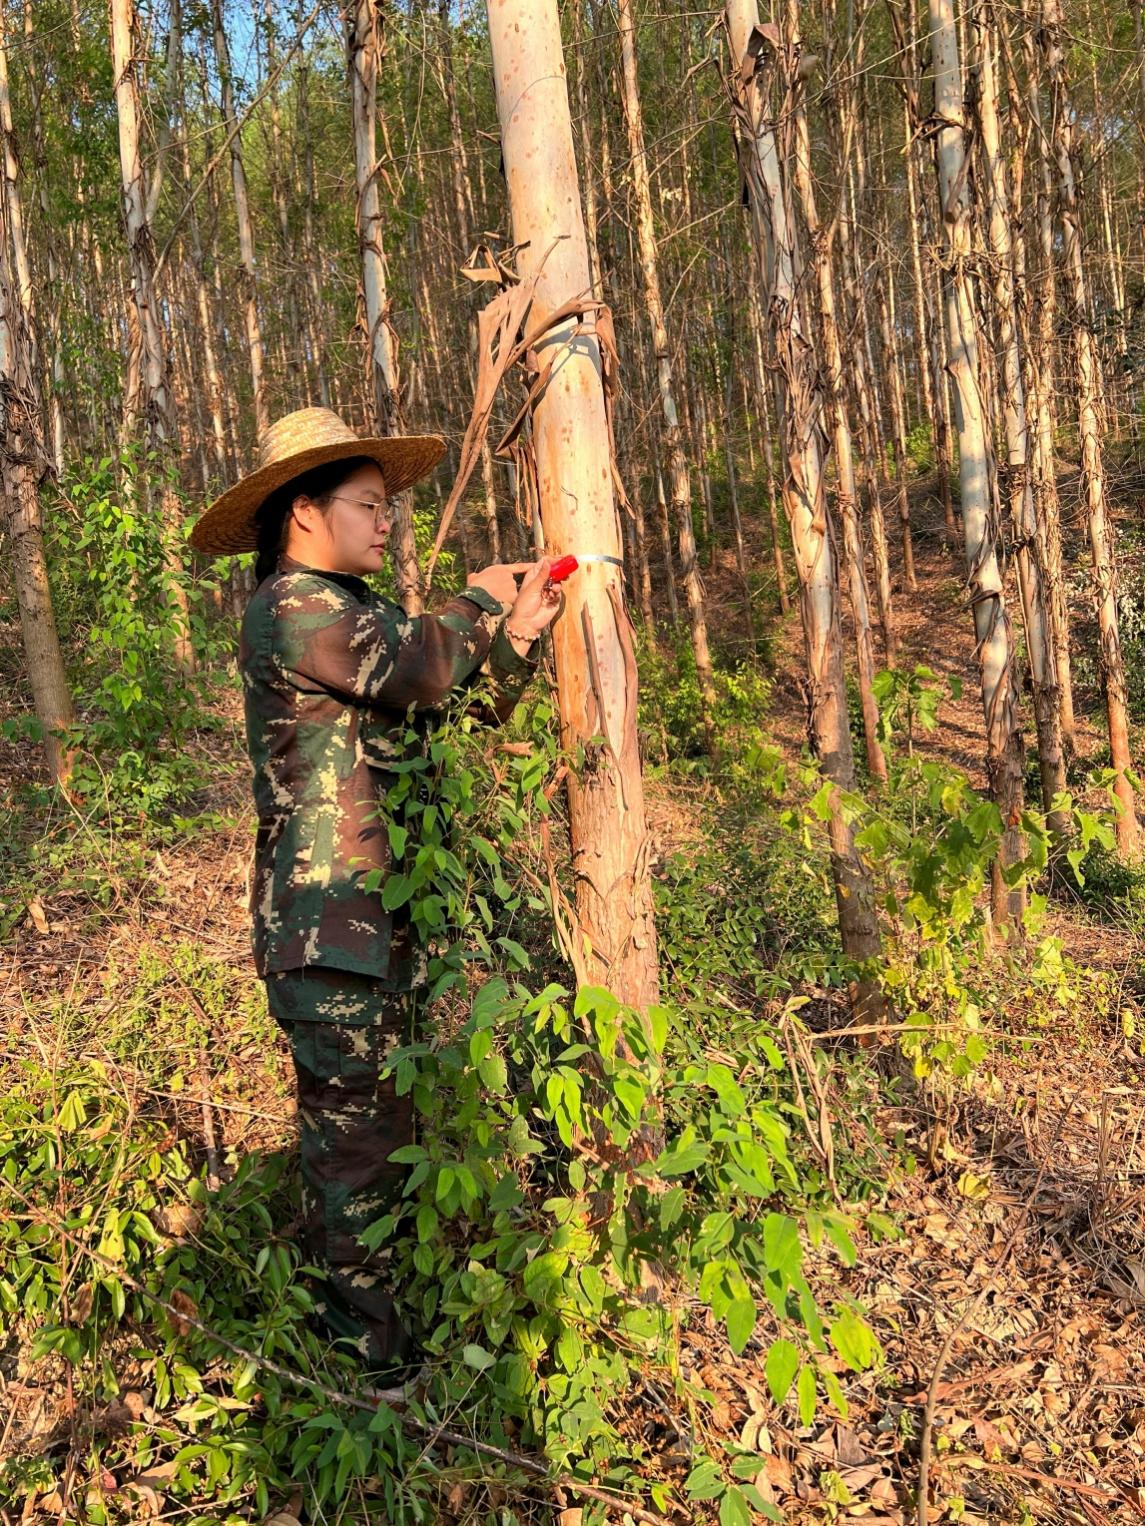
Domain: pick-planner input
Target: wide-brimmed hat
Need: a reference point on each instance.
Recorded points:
(292, 445)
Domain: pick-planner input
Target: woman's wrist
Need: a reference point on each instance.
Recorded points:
(522, 638)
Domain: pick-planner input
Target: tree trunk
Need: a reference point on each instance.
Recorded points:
(680, 487)
(1039, 632)
(1041, 323)
(846, 497)
(803, 447)
(23, 460)
(362, 50)
(592, 641)
(154, 382)
(763, 387)
(1089, 428)
(243, 219)
(1005, 758)
(868, 422)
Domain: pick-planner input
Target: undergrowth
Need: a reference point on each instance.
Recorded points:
(593, 1191)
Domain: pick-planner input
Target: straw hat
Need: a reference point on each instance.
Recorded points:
(292, 445)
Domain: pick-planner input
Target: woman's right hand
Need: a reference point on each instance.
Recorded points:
(499, 580)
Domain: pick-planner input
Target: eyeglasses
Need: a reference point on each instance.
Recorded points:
(365, 503)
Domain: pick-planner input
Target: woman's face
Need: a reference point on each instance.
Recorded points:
(352, 534)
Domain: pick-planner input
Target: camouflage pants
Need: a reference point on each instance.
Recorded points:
(341, 1027)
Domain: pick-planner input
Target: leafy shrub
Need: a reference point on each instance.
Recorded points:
(116, 592)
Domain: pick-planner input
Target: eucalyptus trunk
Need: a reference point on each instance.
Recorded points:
(381, 345)
(1005, 757)
(593, 639)
(678, 476)
(803, 448)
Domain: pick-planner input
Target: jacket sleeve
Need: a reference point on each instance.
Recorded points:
(322, 636)
(505, 675)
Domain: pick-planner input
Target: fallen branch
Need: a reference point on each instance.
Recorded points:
(1070, 1485)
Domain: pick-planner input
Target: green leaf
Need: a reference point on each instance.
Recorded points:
(780, 1368)
(594, 1286)
(806, 1391)
(782, 1252)
(445, 1179)
(834, 1391)
(671, 1206)
(740, 1320)
(854, 1341)
(658, 1018)
(72, 1114)
(734, 1509)
(684, 1155)
(493, 995)
(840, 1239)
(396, 892)
(506, 1194)
(704, 1482)
(478, 1358)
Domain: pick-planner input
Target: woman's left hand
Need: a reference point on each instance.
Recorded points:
(537, 603)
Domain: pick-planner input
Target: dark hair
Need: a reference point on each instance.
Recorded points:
(273, 518)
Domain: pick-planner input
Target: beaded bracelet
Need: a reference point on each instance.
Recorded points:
(517, 636)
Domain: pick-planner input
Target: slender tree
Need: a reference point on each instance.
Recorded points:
(1005, 756)
(153, 379)
(846, 494)
(678, 477)
(362, 51)
(593, 640)
(803, 450)
(23, 461)
(1019, 486)
(1090, 424)
(249, 280)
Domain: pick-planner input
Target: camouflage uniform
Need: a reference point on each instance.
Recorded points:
(333, 675)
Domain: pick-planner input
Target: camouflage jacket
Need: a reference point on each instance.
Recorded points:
(331, 672)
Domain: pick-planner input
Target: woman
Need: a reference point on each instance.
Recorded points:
(330, 673)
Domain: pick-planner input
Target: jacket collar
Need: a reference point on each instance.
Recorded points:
(357, 586)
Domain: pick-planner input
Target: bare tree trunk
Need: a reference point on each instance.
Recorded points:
(763, 388)
(1089, 429)
(153, 375)
(846, 496)
(23, 460)
(591, 217)
(681, 491)
(243, 219)
(868, 426)
(1039, 632)
(593, 645)
(898, 426)
(1041, 327)
(1005, 758)
(803, 447)
(362, 50)
(51, 311)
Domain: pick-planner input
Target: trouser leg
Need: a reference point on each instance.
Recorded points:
(350, 1120)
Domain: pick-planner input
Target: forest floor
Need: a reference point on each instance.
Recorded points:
(1014, 1295)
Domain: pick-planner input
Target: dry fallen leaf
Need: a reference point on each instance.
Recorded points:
(36, 912)
(288, 1515)
(184, 1305)
(177, 1219)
